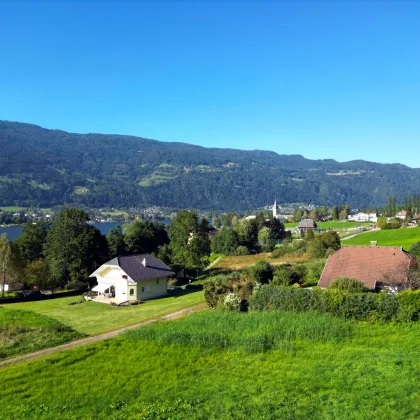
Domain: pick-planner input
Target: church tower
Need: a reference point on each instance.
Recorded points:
(275, 209)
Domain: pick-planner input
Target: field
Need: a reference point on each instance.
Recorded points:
(334, 225)
(244, 261)
(216, 365)
(25, 332)
(95, 318)
(404, 237)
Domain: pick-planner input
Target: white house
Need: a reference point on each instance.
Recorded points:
(130, 278)
(401, 215)
(363, 217)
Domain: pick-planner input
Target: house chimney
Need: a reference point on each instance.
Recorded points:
(144, 261)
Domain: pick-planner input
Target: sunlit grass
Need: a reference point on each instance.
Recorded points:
(404, 237)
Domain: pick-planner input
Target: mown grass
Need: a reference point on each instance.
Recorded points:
(95, 318)
(352, 371)
(25, 332)
(404, 237)
(335, 225)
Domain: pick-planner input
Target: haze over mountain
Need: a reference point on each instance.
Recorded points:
(42, 167)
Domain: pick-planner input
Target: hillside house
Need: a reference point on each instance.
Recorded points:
(401, 215)
(130, 278)
(305, 225)
(374, 266)
(363, 217)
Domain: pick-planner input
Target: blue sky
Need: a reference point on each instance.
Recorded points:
(326, 79)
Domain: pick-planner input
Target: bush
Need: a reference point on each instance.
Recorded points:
(348, 284)
(232, 302)
(313, 273)
(261, 272)
(75, 285)
(215, 290)
(409, 305)
(279, 252)
(241, 250)
(282, 276)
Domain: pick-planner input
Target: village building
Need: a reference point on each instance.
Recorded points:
(305, 225)
(375, 266)
(401, 215)
(130, 278)
(363, 217)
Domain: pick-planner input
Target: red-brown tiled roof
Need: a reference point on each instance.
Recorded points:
(369, 264)
(416, 217)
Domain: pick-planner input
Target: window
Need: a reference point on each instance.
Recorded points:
(157, 281)
(124, 276)
(131, 292)
(142, 289)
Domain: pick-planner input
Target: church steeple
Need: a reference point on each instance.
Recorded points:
(275, 209)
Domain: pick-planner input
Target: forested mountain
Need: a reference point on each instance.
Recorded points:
(41, 167)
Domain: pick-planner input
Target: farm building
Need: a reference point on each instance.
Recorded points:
(374, 266)
(401, 215)
(130, 278)
(305, 225)
(363, 217)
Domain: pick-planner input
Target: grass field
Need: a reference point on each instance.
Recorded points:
(244, 261)
(334, 225)
(404, 237)
(25, 332)
(95, 318)
(227, 366)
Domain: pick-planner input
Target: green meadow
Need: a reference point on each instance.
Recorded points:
(95, 318)
(218, 365)
(404, 237)
(334, 225)
(26, 331)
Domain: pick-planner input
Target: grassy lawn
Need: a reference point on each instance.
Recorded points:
(25, 332)
(334, 225)
(244, 261)
(227, 366)
(404, 237)
(94, 318)
(12, 208)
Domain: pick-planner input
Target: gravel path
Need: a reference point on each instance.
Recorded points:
(93, 339)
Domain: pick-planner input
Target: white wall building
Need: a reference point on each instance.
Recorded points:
(363, 217)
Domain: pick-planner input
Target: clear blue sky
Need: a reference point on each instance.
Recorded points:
(320, 79)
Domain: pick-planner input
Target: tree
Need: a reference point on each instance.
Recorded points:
(32, 241)
(74, 248)
(382, 223)
(38, 275)
(264, 235)
(144, 236)
(415, 250)
(225, 242)
(116, 242)
(262, 272)
(345, 212)
(189, 239)
(348, 284)
(5, 252)
(334, 213)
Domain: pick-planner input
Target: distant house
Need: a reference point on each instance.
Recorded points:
(374, 266)
(363, 217)
(401, 215)
(416, 217)
(305, 225)
(130, 278)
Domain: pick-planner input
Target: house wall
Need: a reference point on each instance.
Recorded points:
(152, 288)
(114, 275)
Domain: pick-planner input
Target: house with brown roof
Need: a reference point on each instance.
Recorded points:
(305, 225)
(401, 215)
(374, 266)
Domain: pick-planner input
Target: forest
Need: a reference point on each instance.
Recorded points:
(45, 168)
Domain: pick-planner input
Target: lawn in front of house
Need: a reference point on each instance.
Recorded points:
(335, 225)
(93, 318)
(227, 366)
(25, 332)
(405, 237)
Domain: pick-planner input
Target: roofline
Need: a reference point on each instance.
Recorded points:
(109, 265)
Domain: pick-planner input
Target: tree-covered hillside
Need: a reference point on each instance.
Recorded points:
(40, 167)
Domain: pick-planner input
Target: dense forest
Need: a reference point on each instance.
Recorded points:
(43, 168)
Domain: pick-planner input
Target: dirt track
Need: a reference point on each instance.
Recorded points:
(93, 339)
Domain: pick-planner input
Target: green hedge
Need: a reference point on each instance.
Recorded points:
(359, 306)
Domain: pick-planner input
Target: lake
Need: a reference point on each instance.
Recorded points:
(14, 232)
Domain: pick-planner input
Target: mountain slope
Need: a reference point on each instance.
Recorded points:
(44, 167)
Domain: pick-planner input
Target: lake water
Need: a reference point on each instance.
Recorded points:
(14, 232)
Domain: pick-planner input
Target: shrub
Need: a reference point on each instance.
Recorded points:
(261, 272)
(241, 250)
(215, 290)
(348, 284)
(232, 302)
(282, 276)
(409, 305)
(75, 285)
(279, 252)
(313, 273)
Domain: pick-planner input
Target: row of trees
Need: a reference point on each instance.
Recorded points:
(66, 252)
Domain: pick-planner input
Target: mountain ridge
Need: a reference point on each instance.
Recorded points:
(46, 167)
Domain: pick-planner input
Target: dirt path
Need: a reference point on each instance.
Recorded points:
(104, 336)
(359, 233)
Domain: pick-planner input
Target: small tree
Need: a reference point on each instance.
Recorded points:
(5, 252)
(348, 284)
(38, 275)
(262, 272)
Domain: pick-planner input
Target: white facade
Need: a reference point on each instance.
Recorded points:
(363, 217)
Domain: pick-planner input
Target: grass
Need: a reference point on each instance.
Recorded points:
(25, 332)
(35, 184)
(12, 208)
(335, 225)
(404, 237)
(114, 213)
(322, 369)
(95, 318)
(244, 261)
